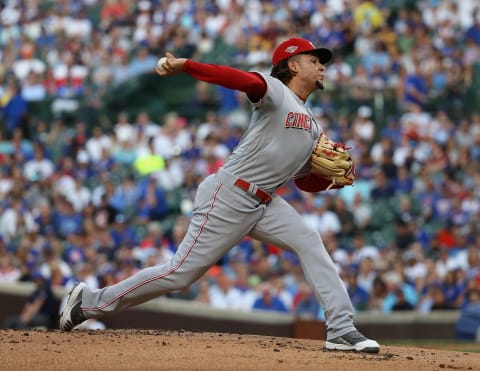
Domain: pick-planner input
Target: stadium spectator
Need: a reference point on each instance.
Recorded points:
(401, 303)
(269, 300)
(9, 272)
(14, 109)
(468, 324)
(40, 309)
(223, 294)
(305, 304)
(358, 295)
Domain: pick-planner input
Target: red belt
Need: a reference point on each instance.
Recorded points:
(262, 196)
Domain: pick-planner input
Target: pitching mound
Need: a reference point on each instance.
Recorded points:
(164, 350)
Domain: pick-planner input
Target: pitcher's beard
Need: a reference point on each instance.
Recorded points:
(320, 85)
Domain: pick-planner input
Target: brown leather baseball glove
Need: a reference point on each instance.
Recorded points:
(330, 165)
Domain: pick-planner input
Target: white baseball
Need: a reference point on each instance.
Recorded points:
(160, 63)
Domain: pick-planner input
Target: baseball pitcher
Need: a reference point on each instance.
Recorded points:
(283, 141)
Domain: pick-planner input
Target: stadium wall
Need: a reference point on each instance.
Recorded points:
(178, 315)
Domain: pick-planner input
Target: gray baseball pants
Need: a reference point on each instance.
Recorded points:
(223, 214)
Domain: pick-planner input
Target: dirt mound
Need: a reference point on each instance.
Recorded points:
(167, 350)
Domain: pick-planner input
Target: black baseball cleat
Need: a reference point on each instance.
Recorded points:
(72, 314)
(353, 341)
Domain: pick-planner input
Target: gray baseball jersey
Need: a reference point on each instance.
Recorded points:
(276, 146)
(278, 142)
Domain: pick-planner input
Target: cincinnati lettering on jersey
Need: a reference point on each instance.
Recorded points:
(299, 120)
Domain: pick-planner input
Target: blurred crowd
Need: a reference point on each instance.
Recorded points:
(97, 201)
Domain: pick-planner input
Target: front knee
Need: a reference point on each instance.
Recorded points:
(182, 281)
(183, 286)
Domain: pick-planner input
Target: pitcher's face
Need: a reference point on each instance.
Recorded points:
(310, 70)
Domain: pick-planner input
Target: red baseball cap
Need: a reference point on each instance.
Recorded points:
(297, 45)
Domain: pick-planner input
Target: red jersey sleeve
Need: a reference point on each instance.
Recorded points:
(250, 83)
